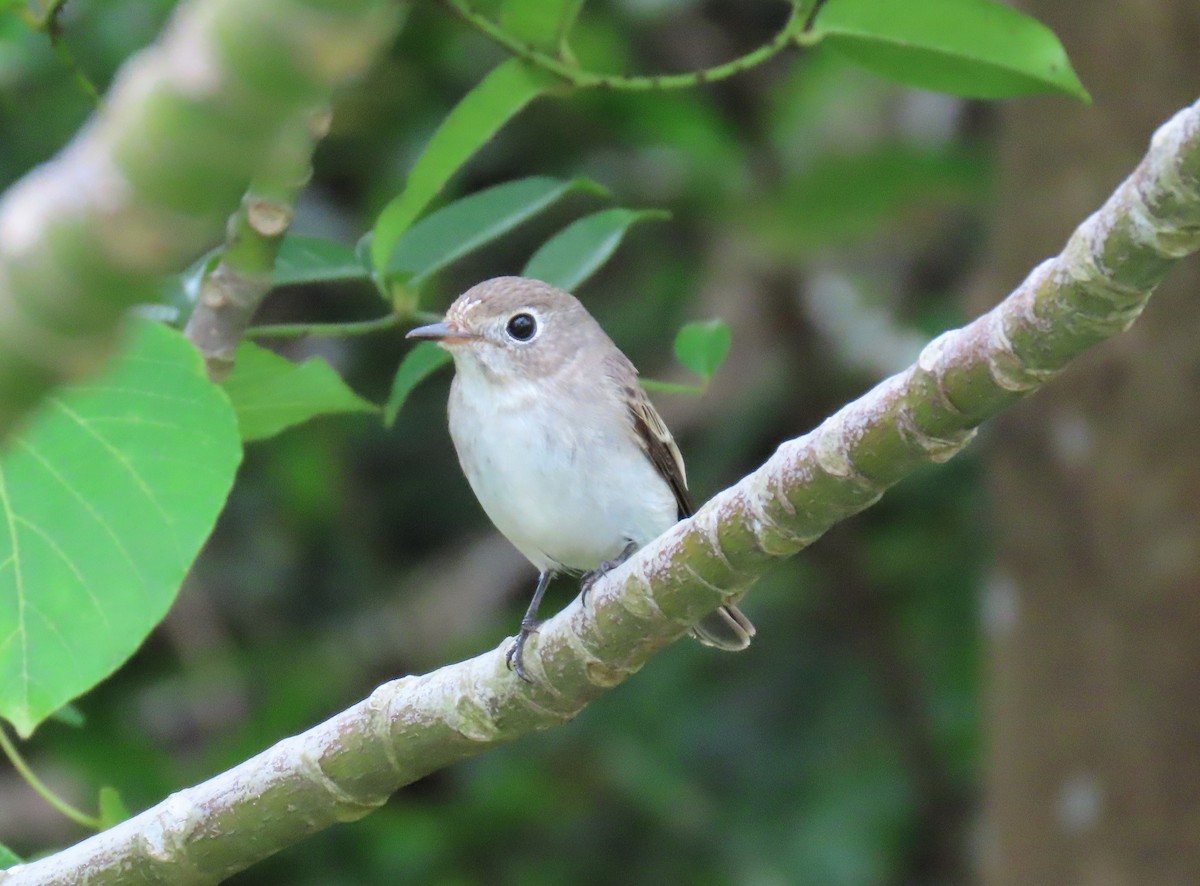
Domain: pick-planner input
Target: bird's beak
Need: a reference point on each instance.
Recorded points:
(441, 332)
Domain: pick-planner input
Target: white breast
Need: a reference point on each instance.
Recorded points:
(560, 475)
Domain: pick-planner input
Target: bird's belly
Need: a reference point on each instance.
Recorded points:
(564, 497)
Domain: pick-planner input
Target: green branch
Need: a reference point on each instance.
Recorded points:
(791, 33)
(232, 289)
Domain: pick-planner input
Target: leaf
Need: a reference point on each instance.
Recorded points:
(271, 393)
(70, 715)
(471, 123)
(112, 807)
(578, 250)
(315, 260)
(105, 499)
(543, 24)
(466, 224)
(418, 364)
(8, 858)
(703, 346)
(972, 48)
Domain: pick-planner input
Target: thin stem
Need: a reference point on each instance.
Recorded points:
(788, 35)
(50, 24)
(19, 764)
(358, 327)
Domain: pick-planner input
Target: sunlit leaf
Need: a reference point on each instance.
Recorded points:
(8, 858)
(314, 260)
(105, 499)
(466, 224)
(271, 393)
(418, 364)
(580, 249)
(703, 346)
(472, 122)
(972, 48)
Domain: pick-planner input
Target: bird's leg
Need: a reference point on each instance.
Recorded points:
(605, 567)
(529, 625)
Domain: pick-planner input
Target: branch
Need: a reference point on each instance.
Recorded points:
(231, 292)
(349, 765)
(793, 32)
(145, 187)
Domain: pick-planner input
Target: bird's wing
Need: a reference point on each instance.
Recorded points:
(659, 445)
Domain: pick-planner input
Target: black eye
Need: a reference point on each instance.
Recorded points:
(522, 327)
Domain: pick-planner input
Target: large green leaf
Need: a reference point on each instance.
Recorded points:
(472, 122)
(105, 498)
(418, 364)
(973, 48)
(271, 393)
(314, 260)
(580, 249)
(466, 224)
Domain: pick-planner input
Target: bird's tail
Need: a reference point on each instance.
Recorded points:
(725, 628)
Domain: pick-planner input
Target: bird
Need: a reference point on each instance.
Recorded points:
(559, 442)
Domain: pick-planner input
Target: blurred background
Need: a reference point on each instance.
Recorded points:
(988, 677)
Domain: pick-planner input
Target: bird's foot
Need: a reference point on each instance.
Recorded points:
(516, 653)
(605, 567)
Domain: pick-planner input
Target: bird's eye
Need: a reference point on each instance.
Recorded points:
(522, 327)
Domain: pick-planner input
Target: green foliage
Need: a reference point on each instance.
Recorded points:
(69, 715)
(270, 393)
(8, 858)
(106, 498)
(973, 48)
(474, 120)
(843, 197)
(418, 364)
(543, 24)
(314, 260)
(703, 346)
(466, 224)
(112, 807)
(579, 250)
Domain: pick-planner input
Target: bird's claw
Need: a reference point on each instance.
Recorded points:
(515, 657)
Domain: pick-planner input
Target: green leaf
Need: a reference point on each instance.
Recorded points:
(271, 393)
(578, 250)
(972, 48)
(314, 260)
(8, 858)
(418, 364)
(543, 24)
(703, 346)
(112, 807)
(105, 499)
(474, 120)
(70, 715)
(466, 224)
